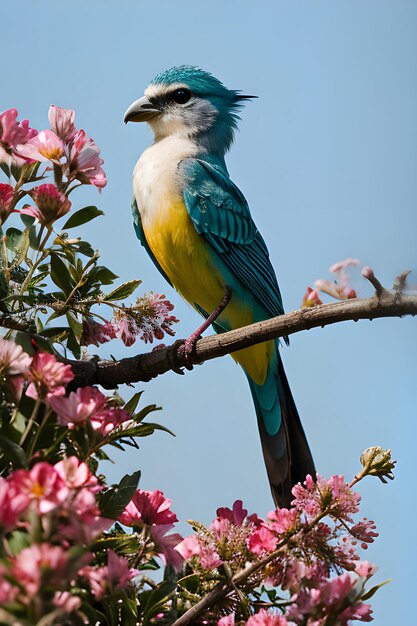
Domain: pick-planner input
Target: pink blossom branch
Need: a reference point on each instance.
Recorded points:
(144, 367)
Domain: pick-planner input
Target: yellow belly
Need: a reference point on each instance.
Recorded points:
(186, 258)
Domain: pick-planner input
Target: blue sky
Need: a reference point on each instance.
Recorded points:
(326, 158)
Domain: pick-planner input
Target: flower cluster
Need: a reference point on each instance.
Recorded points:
(304, 551)
(64, 146)
(340, 288)
(150, 512)
(13, 134)
(50, 507)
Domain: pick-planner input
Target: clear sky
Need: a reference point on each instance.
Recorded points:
(327, 159)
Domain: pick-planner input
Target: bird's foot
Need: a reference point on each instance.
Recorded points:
(187, 348)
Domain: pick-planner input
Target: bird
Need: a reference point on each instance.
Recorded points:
(197, 228)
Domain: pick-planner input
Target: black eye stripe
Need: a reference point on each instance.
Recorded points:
(181, 95)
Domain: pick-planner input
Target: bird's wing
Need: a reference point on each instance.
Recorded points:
(221, 214)
(137, 223)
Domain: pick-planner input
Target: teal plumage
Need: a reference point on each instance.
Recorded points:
(195, 112)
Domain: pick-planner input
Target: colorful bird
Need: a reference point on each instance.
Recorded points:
(197, 228)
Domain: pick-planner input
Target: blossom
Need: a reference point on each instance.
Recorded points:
(149, 318)
(189, 547)
(262, 540)
(78, 407)
(83, 520)
(14, 366)
(6, 201)
(85, 162)
(108, 419)
(62, 122)
(39, 565)
(107, 579)
(283, 520)
(333, 494)
(166, 544)
(12, 504)
(236, 515)
(45, 146)
(365, 569)
(228, 620)
(66, 601)
(47, 376)
(42, 484)
(266, 618)
(95, 333)
(147, 508)
(311, 298)
(340, 289)
(364, 531)
(13, 133)
(51, 204)
(8, 591)
(76, 474)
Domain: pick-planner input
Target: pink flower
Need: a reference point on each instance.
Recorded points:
(84, 522)
(42, 484)
(147, 508)
(364, 532)
(111, 577)
(262, 540)
(13, 133)
(283, 520)
(189, 547)
(334, 494)
(13, 503)
(155, 318)
(8, 592)
(341, 266)
(45, 146)
(14, 366)
(40, 565)
(51, 204)
(85, 162)
(62, 122)
(66, 601)
(76, 474)
(47, 376)
(237, 515)
(6, 201)
(311, 298)
(266, 618)
(108, 419)
(95, 333)
(228, 620)
(79, 407)
(365, 569)
(166, 545)
(206, 553)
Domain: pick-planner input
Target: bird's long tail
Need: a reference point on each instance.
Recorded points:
(286, 452)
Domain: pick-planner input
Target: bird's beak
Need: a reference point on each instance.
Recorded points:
(141, 111)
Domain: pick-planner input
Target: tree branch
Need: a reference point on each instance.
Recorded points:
(144, 367)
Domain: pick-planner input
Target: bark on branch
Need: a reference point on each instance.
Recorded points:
(144, 367)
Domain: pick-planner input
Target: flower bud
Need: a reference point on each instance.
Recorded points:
(378, 462)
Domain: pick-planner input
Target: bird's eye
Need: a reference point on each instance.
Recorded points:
(181, 96)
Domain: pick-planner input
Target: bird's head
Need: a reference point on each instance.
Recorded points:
(189, 102)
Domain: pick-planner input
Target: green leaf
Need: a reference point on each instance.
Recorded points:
(13, 452)
(130, 406)
(73, 345)
(82, 216)
(123, 291)
(114, 501)
(27, 220)
(18, 541)
(17, 241)
(60, 274)
(103, 275)
(75, 325)
(155, 599)
(372, 591)
(5, 169)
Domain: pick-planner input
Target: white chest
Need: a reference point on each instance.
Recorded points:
(155, 177)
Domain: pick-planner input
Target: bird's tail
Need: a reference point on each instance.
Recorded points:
(286, 453)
